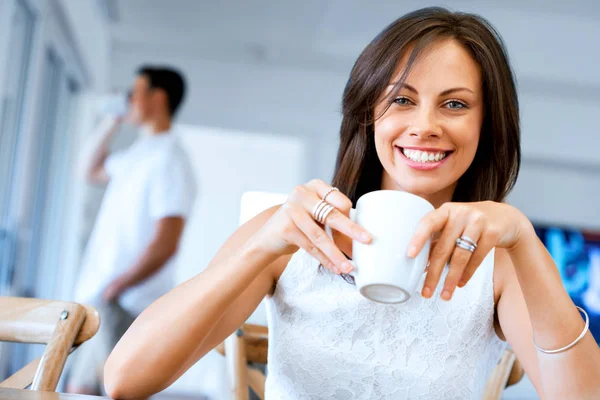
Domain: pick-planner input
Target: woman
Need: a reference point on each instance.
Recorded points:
(430, 108)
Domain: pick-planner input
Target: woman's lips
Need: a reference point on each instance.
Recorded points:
(423, 165)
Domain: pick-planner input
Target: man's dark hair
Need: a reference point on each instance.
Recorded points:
(167, 79)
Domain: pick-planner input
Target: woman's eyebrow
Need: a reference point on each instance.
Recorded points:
(444, 93)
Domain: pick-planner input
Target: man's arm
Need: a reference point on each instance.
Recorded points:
(98, 151)
(162, 247)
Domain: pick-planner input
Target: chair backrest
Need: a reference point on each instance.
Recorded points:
(508, 372)
(247, 346)
(58, 324)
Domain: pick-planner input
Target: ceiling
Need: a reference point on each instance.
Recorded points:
(329, 34)
(336, 27)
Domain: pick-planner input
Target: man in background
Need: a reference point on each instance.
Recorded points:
(128, 260)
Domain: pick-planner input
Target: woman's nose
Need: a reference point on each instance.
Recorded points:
(425, 125)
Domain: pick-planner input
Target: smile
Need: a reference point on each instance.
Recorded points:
(423, 159)
(424, 156)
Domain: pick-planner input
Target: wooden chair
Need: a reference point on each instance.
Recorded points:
(508, 372)
(249, 345)
(62, 326)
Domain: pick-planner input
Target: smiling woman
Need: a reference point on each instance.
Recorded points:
(430, 109)
(385, 99)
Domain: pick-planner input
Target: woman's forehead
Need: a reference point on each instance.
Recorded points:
(441, 65)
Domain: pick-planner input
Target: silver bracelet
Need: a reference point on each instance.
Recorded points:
(567, 347)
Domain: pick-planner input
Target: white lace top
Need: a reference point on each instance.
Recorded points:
(326, 341)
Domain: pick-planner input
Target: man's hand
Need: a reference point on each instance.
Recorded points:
(161, 248)
(114, 290)
(97, 150)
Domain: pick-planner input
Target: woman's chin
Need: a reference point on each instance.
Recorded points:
(421, 188)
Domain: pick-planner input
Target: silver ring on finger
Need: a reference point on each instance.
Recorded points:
(466, 245)
(326, 213)
(468, 240)
(317, 209)
(322, 211)
(333, 189)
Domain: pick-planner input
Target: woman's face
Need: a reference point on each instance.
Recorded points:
(428, 137)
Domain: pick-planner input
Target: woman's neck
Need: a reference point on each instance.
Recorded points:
(436, 199)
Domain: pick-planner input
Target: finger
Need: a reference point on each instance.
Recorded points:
(459, 260)
(430, 224)
(338, 219)
(341, 223)
(303, 242)
(319, 238)
(440, 255)
(485, 244)
(335, 198)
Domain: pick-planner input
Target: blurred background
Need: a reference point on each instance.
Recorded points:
(265, 80)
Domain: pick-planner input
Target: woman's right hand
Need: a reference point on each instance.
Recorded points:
(293, 227)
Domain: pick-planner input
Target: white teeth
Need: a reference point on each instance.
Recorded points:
(424, 156)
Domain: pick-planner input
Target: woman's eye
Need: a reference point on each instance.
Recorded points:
(455, 105)
(402, 101)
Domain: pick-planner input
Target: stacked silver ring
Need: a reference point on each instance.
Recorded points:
(322, 211)
(323, 208)
(466, 243)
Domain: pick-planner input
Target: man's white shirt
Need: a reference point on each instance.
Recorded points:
(151, 180)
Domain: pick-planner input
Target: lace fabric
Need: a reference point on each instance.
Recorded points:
(326, 341)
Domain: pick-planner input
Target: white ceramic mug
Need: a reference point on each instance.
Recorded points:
(383, 272)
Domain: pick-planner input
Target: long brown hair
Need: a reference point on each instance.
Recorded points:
(495, 167)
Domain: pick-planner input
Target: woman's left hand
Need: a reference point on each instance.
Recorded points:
(488, 224)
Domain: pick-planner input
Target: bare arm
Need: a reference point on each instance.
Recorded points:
(97, 153)
(178, 327)
(535, 304)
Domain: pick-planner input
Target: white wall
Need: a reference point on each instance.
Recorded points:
(229, 163)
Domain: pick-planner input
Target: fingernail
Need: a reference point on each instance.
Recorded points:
(346, 267)
(446, 295)
(426, 292)
(412, 250)
(365, 237)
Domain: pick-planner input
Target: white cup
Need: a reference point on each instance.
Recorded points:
(115, 104)
(383, 272)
